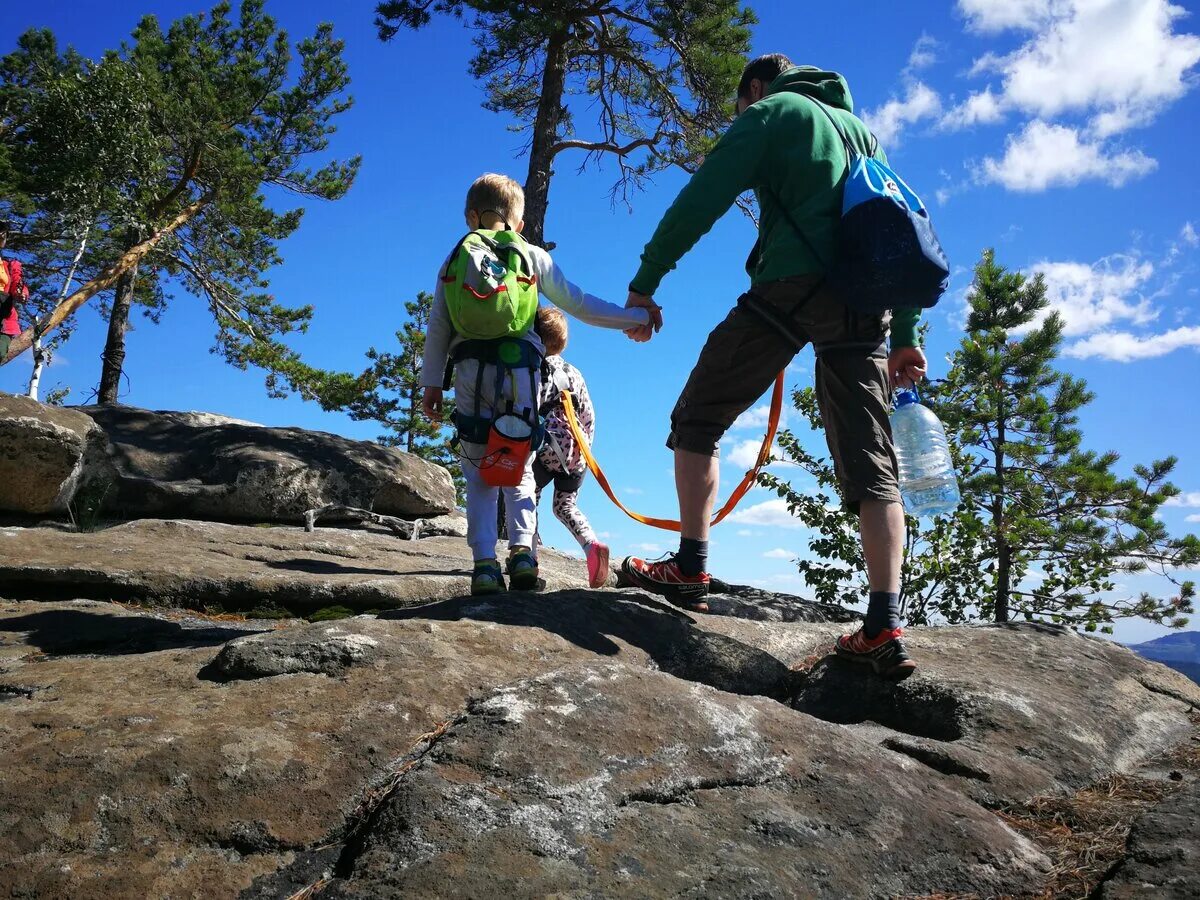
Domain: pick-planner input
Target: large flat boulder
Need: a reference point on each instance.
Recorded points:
(190, 465)
(206, 565)
(45, 452)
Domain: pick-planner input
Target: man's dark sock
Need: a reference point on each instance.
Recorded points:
(883, 611)
(692, 556)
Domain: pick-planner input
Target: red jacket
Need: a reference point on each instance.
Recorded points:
(12, 291)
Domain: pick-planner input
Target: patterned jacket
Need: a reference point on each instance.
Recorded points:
(557, 371)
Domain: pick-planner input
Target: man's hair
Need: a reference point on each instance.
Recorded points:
(766, 69)
(498, 194)
(551, 327)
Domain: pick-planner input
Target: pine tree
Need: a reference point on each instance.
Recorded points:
(1061, 524)
(211, 112)
(395, 401)
(660, 77)
(1045, 527)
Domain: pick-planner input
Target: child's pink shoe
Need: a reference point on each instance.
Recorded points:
(597, 562)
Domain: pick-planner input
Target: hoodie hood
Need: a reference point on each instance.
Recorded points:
(828, 87)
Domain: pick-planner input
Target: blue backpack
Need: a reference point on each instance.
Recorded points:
(886, 254)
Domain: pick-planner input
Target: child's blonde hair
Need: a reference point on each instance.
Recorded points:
(551, 327)
(497, 194)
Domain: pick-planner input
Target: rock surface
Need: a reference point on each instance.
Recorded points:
(609, 781)
(45, 452)
(188, 465)
(240, 567)
(1163, 858)
(596, 743)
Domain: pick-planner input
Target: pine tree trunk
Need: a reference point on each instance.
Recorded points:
(414, 410)
(118, 324)
(41, 356)
(1003, 550)
(545, 136)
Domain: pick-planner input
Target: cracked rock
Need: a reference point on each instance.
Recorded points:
(606, 780)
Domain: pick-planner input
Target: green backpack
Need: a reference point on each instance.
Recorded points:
(490, 286)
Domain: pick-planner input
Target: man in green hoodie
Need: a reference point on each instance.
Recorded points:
(784, 147)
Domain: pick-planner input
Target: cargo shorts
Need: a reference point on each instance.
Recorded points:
(744, 354)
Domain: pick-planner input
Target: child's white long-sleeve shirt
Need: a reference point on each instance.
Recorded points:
(552, 284)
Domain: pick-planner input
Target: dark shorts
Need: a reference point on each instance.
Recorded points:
(745, 353)
(564, 483)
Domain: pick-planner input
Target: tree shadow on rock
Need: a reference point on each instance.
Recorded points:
(62, 632)
(596, 620)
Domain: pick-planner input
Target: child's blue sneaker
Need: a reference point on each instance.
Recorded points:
(522, 569)
(487, 578)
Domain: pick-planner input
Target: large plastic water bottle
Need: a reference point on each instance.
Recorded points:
(927, 481)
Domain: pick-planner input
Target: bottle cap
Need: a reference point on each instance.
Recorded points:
(903, 398)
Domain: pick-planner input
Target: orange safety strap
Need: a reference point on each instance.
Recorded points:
(747, 482)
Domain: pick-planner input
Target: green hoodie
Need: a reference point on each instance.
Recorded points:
(786, 150)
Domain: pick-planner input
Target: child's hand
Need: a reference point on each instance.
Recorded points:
(431, 404)
(643, 333)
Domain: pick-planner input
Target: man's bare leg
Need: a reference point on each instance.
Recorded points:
(683, 578)
(881, 525)
(696, 478)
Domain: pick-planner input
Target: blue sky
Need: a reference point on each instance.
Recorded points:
(1060, 132)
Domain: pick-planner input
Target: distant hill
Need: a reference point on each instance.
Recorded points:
(1180, 651)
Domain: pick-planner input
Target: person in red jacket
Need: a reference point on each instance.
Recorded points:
(12, 290)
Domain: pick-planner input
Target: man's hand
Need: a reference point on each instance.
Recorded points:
(431, 404)
(643, 333)
(906, 366)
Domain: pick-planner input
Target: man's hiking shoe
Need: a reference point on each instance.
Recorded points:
(663, 577)
(522, 571)
(884, 653)
(597, 563)
(487, 578)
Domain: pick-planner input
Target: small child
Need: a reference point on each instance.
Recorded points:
(501, 375)
(560, 459)
(12, 290)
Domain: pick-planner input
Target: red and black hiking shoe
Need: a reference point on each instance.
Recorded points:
(663, 577)
(884, 653)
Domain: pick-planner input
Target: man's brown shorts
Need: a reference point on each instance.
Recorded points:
(745, 352)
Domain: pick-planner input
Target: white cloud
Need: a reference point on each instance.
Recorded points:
(1121, 346)
(1187, 498)
(1193, 518)
(1117, 60)
(779, 553)
(1092, 297)
(924, 53)
(1188, 235)
(980, 108)
(770, 513)
(743, 454)
(999, 15)
(1046, 155)
(746, 532)
(633, 491)
(649, 548)
(888, 121)
(756, 417)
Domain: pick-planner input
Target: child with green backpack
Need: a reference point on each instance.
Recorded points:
(481, 325)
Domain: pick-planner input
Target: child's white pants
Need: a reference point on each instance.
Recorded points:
(520, 502)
